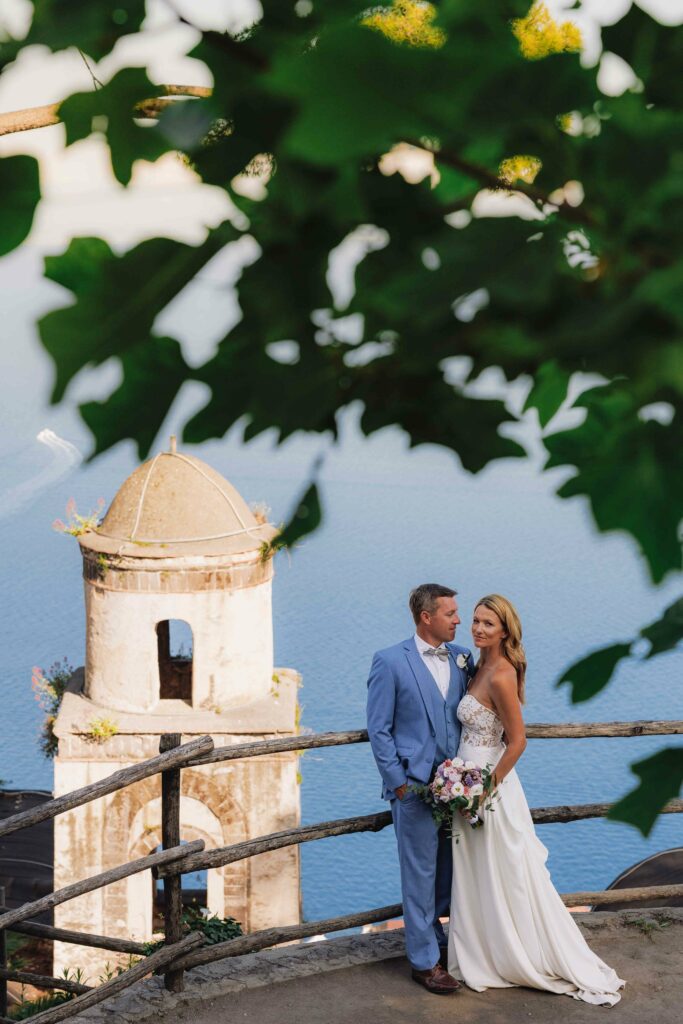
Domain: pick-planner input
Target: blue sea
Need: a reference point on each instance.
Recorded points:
(394, 517)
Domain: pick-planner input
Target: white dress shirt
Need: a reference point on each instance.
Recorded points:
(440, 668)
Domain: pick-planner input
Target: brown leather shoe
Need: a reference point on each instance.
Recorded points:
(437, 981)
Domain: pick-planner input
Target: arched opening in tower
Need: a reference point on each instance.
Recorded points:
(175, 646)
(194, 893)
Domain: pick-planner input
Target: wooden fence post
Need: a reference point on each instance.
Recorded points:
(3, 958)
(170, 836)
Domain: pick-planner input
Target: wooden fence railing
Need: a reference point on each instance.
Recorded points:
(183, 953)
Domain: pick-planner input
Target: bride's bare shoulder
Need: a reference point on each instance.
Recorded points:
(504, 678)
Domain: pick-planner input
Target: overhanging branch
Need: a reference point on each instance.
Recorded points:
(41, 117)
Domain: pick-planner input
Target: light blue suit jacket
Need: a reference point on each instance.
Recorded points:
(401, 711)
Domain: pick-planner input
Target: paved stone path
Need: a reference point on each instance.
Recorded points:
(365, 980)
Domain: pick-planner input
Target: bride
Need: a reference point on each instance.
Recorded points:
(509, 926)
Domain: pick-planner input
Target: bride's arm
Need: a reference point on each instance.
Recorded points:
(509, 710)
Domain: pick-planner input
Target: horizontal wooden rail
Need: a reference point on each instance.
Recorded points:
(578, 730)
(578, 812)
(258, 748)
(44, 981)
(69, 892)
(646, 892)
(345, 826)
(201, 751)
(118, 780)
(287, 933)
(275, 841)
(46, 931)
(536, 731)
(97, 995)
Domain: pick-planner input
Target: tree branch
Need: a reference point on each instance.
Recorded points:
(41, 117)
(490, 180)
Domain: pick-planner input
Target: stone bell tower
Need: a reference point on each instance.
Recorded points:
(178, 557)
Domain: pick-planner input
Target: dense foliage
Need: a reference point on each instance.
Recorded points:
(309, 101)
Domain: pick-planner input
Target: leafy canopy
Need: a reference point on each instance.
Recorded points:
(310, 100)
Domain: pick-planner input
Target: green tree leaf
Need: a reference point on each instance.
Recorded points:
(592, 673)
(661, 777)
(87, 24)
(629, 469)
(667, 632)
(549, 391)
(20, 192)
(117, 300)
(110, 109)
(153, 373)
(305, 519)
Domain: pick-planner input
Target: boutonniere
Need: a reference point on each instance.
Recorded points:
(461, 661)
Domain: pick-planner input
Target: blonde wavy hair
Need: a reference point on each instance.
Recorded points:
(513, 651)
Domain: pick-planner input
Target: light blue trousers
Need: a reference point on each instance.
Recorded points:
(426, 862)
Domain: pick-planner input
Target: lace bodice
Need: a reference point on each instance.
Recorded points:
(481, 727)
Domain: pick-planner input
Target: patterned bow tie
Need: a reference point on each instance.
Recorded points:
(437, 652)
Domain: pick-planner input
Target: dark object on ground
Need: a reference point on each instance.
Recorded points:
(437, 981)
(26, 856)
(663, 868)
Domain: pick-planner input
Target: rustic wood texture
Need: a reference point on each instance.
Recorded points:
(286, 933)
(577, 812)
(170, 837)
(278, 746)
(644, 892)
(276, 840)
(69, 892)
(539, 730)
(576, 730)
(44, 981)
(46, 931)
(344, 826)
(97, 995)
(118, 780)
(290, 933)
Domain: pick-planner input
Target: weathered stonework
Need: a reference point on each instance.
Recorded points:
(222, 589)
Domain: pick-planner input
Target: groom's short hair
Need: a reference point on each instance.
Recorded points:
(424, 598)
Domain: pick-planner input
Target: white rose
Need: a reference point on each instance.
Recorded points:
(476, 790)
(461, 661)
(458, 762)
(457, 789)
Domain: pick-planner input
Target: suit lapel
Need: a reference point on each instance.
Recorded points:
(423, 678)
(458, 678)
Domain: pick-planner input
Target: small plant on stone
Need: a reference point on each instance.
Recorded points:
(49, 688)
(110, 971)
(261, 512)
(28, 1007)
(648, 925)
(215, 929)
(76, 524)
(101, 729)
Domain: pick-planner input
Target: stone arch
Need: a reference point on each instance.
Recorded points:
(134, 830)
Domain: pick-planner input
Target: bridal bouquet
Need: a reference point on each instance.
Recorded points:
(458, 786)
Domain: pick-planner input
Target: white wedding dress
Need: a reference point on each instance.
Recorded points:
(508, 924)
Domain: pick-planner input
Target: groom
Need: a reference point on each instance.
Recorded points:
(414, 690)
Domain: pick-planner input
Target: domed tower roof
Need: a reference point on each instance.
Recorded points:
(177, 505)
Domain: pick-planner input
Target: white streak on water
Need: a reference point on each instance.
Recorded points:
(65, 458)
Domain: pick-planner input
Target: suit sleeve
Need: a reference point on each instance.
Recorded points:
(381, 706)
